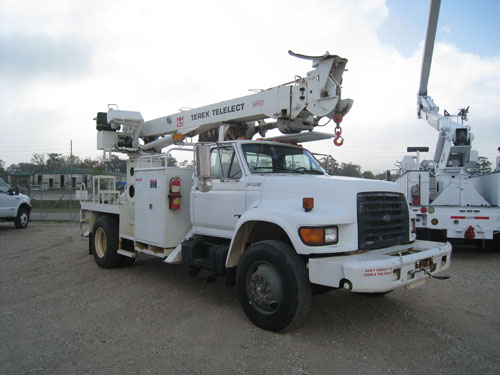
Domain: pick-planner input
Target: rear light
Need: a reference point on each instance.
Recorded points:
(434, 221)
(423, 210)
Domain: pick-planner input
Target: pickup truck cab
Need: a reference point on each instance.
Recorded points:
(14, 206)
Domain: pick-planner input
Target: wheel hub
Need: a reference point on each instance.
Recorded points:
(23, 218)
(265, 287)
(100, 242)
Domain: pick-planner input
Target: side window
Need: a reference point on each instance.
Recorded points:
(224, 163)
(4, 187)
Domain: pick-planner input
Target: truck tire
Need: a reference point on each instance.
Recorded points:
(22, 218)
(105, 242)
(273, 286)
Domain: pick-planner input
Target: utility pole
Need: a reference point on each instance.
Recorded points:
(70, 176)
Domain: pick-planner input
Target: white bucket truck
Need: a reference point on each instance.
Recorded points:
(448, 203)
(262, 214)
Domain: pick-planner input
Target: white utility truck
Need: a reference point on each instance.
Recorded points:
(263, 214)
(14, 206)
(448, 203)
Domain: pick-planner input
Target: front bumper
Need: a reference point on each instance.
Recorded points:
(382, 270)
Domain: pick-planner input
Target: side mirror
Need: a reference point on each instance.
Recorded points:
(203, 168)
(14, 191)
(203, 161)
(204, 185)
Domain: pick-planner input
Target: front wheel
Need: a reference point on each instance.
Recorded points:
(22, 218)
(273, 286)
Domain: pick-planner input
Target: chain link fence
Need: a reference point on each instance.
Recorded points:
(54, 203)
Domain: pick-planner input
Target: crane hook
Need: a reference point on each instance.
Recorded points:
(338, 140)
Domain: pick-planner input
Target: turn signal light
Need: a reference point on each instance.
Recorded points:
(312, 236)
(308, 204)
(177, 137)
(319, 236)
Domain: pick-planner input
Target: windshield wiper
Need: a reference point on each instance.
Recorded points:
(304, 170)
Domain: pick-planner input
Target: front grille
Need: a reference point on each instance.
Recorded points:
(383, 220)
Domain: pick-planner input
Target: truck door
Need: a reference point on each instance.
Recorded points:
(216, 212)
(7, 201)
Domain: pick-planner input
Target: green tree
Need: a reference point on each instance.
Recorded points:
(171, 161)
(20, 167)
(88, 163)
(55, 160)
(330, 165)
(38, 161)
(483, 166)
(350, 169)
(3, 172)
(368, 175)
(381, 176)
(115, 164)
(72, 160)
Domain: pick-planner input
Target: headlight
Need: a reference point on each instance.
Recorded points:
(318, 236)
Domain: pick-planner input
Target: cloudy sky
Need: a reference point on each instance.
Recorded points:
(63, 61)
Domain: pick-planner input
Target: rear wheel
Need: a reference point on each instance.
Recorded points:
(105, 242)
(273, 286)
(22, 218)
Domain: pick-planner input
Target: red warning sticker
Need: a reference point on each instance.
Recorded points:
(382, 271)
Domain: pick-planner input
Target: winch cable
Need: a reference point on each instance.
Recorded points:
(436, 277)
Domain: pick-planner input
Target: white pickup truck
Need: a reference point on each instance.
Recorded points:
(14, 206)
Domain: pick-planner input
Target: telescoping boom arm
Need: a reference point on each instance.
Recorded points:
(295, 107)
(453, 148)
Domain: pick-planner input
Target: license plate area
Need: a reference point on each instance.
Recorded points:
(426, 264)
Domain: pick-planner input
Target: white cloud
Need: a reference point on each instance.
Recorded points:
(158, 56)
(26, 56)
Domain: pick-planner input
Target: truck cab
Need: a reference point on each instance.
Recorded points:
(14, 206)
(284, 186)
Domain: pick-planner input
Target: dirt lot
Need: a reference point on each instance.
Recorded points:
(61, 314)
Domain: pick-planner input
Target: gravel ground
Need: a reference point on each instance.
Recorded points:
(61, 314)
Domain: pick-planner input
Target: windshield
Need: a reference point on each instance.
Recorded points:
(276, 158)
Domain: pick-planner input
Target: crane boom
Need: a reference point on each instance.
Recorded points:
(429, 46)
(295, 107)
